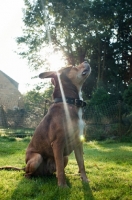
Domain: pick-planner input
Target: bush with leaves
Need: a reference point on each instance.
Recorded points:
(38, 99)
(99, 96)
(127, 96)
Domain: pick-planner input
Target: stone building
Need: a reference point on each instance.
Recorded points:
(10, 97)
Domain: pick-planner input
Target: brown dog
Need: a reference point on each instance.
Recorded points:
(58, 134)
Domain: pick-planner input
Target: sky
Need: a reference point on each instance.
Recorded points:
(10, 28)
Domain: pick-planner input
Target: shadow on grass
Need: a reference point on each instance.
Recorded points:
(88, 195)
(46, 188)
(113, 152)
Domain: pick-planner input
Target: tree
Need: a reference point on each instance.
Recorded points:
(99, 30)
(35, 98)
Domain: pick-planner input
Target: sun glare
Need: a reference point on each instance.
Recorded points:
(56, 61)
(82, 138)
(54, 58)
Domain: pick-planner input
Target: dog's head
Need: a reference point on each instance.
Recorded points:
(71, 78)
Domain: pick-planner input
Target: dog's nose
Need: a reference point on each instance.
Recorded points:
(85, 61)
(86, 64)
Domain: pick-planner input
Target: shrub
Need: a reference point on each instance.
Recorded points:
(99, 95)
(127, 95)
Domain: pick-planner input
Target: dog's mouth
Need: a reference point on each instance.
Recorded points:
(86, 68)
(85, 72)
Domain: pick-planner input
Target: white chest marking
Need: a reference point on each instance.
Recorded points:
(80, 94)
(80, 121)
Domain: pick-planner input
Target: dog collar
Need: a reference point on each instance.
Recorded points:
(76, 102)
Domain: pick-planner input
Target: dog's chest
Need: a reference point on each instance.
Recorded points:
(80, 113)
(80, 122)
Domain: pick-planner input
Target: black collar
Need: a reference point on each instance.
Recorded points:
(76, 102)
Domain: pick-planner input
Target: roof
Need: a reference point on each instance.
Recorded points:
(10, 79)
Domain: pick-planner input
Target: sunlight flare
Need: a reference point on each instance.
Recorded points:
(69, 121)
(53, 58)
(82, 138)
(56, 60)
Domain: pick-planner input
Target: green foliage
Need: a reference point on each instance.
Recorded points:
(35, 98)
(107, 117)
(127, 96)
(99, 96)
(108, 166)
(97, 30)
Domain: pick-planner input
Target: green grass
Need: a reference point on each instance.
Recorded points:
(16, 132)
(108, 166)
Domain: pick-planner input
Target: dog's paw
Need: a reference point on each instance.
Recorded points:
(28, 176)
(85, 179)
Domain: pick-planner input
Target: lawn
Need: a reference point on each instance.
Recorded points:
(108, 166)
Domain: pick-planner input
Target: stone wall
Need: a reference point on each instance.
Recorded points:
(9, 94)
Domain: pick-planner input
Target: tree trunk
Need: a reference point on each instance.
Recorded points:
(99, 65)
(103, 65)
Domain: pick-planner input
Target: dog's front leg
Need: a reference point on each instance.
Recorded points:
(78, 150)
(59, 161)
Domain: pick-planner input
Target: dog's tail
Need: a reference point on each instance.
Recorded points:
(12, 168)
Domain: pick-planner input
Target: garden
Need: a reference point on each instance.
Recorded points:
(108, 167)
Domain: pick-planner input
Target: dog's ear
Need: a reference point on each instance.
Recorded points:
(47, 74)
(53, 81)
